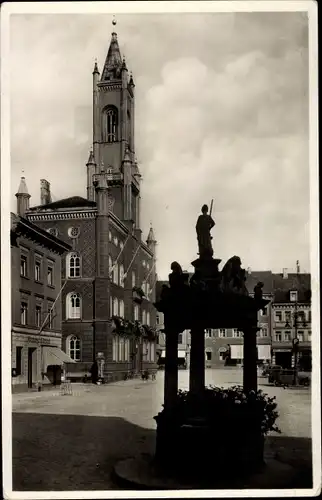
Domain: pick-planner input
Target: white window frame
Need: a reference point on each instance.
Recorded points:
(300, 333)
(73, 351)
(293, 296)
(73, 312)
(287, 336)
(115, 306)
(278, 334)
(37, 270)
(38, 318)
(122, 275)
(264, 330)
(222, 333)
(73, 271)
(24, 313)
(276, 318)
(50, 275)
(121, 308)
(24, 265)
(116, 273)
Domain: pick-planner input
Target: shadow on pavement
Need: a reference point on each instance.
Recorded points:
(73, 452)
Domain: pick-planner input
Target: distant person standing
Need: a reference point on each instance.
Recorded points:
(94, 372)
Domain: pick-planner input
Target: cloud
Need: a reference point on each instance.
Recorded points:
(221, 112)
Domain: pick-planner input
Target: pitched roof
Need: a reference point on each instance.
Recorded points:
(294, 281)
(265, 277)
(22, 187)
(71, 202)
(113, 61)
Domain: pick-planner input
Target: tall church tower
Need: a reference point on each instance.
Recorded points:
(113, 133)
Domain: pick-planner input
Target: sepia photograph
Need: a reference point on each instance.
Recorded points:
(159, 249)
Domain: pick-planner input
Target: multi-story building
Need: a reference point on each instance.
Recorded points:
(287, 316)
(291, 319)
(36, 337)
(109, 261)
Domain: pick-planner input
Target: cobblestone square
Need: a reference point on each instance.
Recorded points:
(72, 442)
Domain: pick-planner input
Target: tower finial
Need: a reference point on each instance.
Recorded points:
(114, 21)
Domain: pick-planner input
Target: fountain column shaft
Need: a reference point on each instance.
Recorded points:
(197, 361)
(171, 369)
(250, 359)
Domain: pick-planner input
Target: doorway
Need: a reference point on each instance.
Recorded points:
(31, 362)
(283, 359)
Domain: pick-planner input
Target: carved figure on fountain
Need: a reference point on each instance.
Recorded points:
(233, 277)
(203, 227)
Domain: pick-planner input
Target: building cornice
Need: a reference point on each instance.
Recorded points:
(25, 228)
(66, 215)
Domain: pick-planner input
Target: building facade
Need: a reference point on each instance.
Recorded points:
(287, 316)
(110, 263)
(291, 319)
(36, 337)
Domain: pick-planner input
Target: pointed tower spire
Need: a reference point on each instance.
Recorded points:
(91, 169)
(113, 62)
(151, 237)
(23, 197)
(95, 71)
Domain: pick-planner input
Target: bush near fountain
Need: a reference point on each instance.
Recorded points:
(229, 422)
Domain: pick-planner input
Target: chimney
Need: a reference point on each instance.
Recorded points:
(285, 273)
(297, 267)
(45, 196)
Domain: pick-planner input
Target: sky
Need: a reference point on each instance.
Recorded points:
(221, 113)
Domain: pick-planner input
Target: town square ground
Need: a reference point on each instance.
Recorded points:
(72, 442)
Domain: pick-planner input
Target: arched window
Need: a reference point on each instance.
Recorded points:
(116, 274)
(136, 313)
(148, 318)
(73, 306)
(133, 279)
(74, 348)
(115, 306)
(110, 120)
(121, 308)
(73, 265)
(143, 317)
(122, 275)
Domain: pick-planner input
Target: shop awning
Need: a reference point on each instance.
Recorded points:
(53, 356)
(264, 351)
(237, 351)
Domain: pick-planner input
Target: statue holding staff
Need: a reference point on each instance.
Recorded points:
(204, 224)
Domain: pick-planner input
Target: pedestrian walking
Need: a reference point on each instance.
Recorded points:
(94, 372)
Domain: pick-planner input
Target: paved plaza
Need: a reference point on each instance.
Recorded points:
(71, 442)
